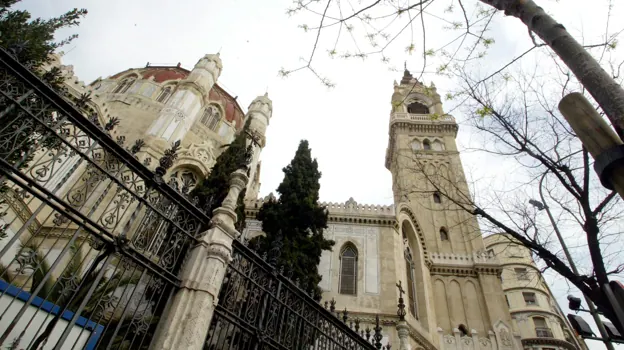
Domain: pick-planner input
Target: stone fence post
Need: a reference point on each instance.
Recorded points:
(403, 332)
(185, 322)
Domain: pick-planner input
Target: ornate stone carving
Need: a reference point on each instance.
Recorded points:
(505, 337)
(202, 152)
(219, 251)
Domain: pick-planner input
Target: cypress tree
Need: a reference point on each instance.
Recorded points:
(212, 190)
(295, 222)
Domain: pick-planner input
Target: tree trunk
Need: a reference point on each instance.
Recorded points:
(603, 88)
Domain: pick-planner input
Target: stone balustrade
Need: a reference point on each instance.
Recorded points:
(422, 117)
(480, 257)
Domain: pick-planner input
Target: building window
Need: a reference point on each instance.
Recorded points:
(417, 108)
(437, 198)
(415, 145)
(211, 117)
(411, 280)
(164, 95)
(438, 145)
(529, 298)
(521, 273)
(427, 145)
(443, 234)
(490, 253)
(348, 270)
(541, 328)
(124, 85)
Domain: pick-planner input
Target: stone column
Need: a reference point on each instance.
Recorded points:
(185, 323)
(403, 331)
(493, 341)
(441, 338)
(475, 339)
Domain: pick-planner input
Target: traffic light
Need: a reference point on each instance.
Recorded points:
(580, 326)
(574, 303)
(612, 331)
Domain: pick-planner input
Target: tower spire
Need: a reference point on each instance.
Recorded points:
(407, 76)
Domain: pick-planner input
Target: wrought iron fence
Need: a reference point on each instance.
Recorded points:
(259, 308)
(91, 240)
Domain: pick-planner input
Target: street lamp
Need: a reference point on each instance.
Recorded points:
(541, 205)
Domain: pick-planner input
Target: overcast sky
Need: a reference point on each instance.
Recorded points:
(347, 126)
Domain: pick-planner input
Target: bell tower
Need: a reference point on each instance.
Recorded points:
(455, 284)
(426, 169)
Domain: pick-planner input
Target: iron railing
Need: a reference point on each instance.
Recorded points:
(91, 240)
(259, 308)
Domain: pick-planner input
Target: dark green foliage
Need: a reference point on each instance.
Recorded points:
(213, 189)
(35, 37)
(32, 41)
(297, 220)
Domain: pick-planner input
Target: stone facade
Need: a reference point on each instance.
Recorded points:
(164, 104)
(533, 308)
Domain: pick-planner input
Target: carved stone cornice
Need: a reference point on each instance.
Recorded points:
(489, 269)
(452, 271)
(528, 342)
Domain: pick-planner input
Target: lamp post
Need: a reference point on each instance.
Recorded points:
(607, 150)
(541, 205)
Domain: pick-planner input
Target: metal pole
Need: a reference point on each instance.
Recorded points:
(590, 304)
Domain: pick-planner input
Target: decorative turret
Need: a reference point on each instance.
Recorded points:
(260, 112)
(184, 107)
(408, 78)
(206, 71)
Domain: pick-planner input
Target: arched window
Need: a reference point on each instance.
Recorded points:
(417, 108)
(211, 117)
(416, 145)
(164, 95)
(443, 234)
(437, 198)
(426, 145)
(348, 270)
(438, 145)
(411, 280)
(124, 85)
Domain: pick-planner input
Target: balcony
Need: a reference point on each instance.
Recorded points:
(542, 332)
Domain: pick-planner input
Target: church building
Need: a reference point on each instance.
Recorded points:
(419, 247)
